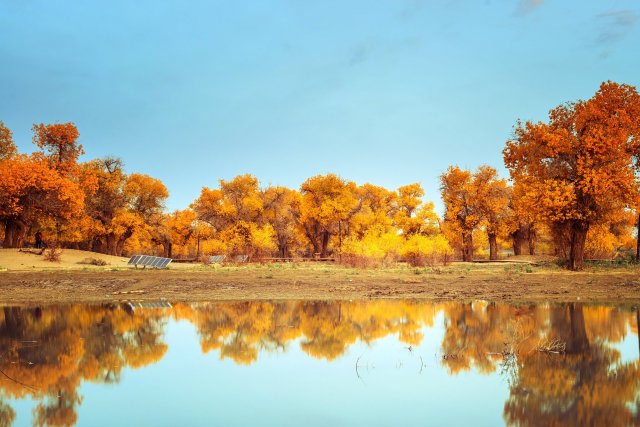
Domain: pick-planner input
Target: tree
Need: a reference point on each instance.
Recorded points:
(522, 222)
(328, 203)
(376, 207)
(282, 212)
(411, 215)
(235, 211)
(462, 210)
(7, 146)
(492, 195)
(145, 198)
(59, 143)
(32, 191)
(580, 166)
(106, 202)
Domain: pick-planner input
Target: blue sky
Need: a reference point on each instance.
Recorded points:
(387, 92)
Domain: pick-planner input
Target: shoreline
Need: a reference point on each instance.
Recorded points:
(100, 286)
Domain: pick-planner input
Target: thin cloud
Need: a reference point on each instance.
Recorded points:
(412, 8)
(525, 7)
(359, 54)
(373, 49)
(615, 25)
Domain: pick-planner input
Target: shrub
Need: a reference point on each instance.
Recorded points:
(94, 261)
(53, 253)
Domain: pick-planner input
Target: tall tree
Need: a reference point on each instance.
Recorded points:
(7, 146)
(59, 142)
(31, 192)
(462, 210)
(328, 202)
(492, 195)
(582, 164)
(106, 202)
(282, 212)
(235, 211)
(522, 222)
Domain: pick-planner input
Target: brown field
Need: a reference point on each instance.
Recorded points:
(26, 278)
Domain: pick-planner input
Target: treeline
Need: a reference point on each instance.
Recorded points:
(573, 191)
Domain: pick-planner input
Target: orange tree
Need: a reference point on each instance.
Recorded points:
(462, 211)
(493, 196)
(581, 165)
(7, 146)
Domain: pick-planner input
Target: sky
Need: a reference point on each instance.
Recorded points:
(388, 92)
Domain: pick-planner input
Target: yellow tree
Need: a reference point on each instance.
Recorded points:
(235, 211)
(282, 212)
(177, 229)
(328, 203)
(492, 196)
(580, 166)
(375, 209)
(411, 216)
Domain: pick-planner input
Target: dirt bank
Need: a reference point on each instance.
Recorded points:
(493, 283)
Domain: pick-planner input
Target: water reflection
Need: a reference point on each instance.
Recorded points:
(560, 363)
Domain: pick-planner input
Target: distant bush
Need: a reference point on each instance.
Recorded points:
(53, 253)
(205, 259)
(94, 261)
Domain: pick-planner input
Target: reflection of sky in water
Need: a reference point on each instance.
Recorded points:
(629, 347)
(190, 388)
(282, 388)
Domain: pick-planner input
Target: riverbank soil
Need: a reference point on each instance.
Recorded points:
(26, 279)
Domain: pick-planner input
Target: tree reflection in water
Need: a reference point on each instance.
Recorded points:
(46, 353)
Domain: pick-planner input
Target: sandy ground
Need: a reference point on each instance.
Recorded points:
(27, 279)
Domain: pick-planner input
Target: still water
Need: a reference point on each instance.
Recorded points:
(369, 363)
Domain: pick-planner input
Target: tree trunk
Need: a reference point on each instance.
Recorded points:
(467, 246)
(493, 246)
(638, 242)
(524, 238)
(111, 244)
(531, 237)
(312, 234)
(579, 231)
(167, 249)
(638, 325)
(325, 244)
(14, 233)
(518, 241)
(121, 241)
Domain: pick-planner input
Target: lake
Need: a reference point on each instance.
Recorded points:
(302, 363)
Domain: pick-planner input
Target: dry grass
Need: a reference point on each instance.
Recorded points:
(53, 254)
(552, 345)
(70, 259)
(93, 261)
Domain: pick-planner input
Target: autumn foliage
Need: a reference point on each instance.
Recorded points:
(580, 169)
(574, 192)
